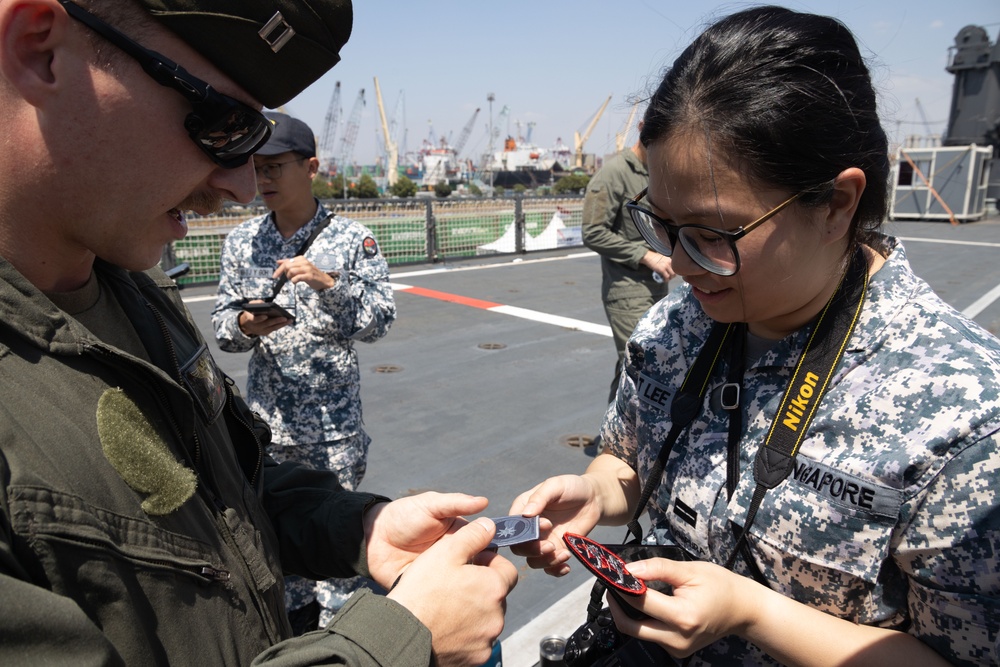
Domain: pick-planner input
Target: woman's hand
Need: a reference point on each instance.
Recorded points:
(564, 504)
(708, 603)
(575, 504)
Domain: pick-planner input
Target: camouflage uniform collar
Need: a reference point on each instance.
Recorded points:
(890, 287)
(306, 229)
(302, 232)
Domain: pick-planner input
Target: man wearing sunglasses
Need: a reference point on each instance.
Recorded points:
(141, 521)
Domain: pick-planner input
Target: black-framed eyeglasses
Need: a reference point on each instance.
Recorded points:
(272, 170)
(712, 249)
(227, 130)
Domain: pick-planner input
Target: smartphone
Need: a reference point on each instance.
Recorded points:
(267, 308)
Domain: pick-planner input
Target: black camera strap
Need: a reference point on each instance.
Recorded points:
(731, 398)
(684, 408)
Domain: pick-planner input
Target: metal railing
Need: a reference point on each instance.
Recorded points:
(411, 231)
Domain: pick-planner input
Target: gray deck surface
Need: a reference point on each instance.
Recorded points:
(457, 417)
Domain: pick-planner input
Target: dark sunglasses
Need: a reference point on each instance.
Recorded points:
(227, 130)
(712, 249)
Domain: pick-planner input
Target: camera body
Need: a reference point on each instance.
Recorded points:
(599, 644)
(592, 641)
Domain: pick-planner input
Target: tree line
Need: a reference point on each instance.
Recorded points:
(335, 187)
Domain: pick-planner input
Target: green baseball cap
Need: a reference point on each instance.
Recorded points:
(274, 49)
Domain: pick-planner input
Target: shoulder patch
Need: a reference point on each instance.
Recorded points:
(370, 247)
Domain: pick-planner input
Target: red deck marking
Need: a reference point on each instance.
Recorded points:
(453, 298)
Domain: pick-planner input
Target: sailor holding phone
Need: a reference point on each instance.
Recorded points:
(298, 287)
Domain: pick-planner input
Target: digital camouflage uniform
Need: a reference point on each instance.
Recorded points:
(304, 379)
(628, 288)
(890, 517)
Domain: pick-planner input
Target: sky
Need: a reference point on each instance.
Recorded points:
(553, 63)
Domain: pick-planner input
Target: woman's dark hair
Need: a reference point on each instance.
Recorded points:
(788, 99)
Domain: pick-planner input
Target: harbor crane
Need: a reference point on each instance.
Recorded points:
(486, 164)
(464, 136)
(581, 139)
(351, 133)
(501, 121)
(327, 143)
(399, 135)
(391, 149)
(623, 134)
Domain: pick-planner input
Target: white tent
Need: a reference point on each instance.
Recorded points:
(553, 236)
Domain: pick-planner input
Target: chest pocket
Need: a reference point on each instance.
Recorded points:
(823, 537)
(106, 554)
(328, 261)
(826, 517)
(691, 489)
(694, 474)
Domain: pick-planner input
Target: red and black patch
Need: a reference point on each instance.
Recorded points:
(605, 564)
(370, 247)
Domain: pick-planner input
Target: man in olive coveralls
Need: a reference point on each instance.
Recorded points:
(141, 520)
(634, 275)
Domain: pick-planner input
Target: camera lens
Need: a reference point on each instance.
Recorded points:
(551, 651)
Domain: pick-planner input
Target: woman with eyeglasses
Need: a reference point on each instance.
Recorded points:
(805, 418)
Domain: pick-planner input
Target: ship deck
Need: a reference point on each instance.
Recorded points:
(496, 372)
